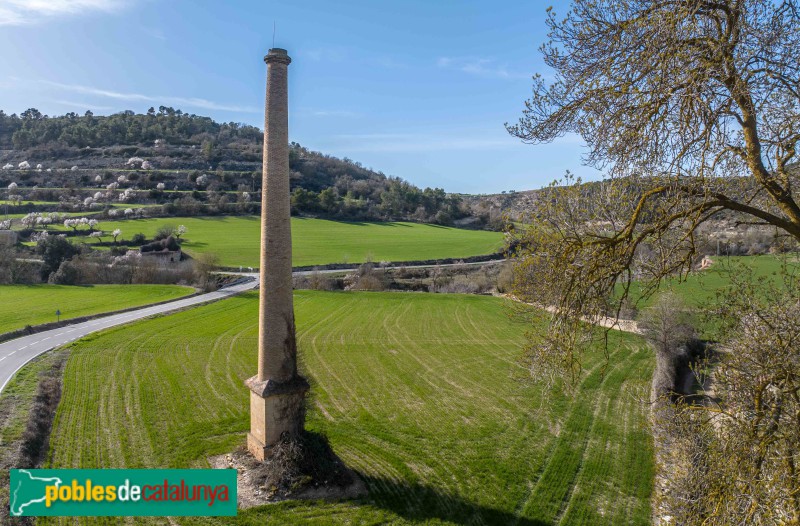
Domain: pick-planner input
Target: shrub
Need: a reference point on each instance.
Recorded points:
(475, 283)
(37, 431)
(366, 278)
(54, 250)
(315, 281)
(165, 231)
(668, 326)
(65, 275)
(505, 279)
(169, 243)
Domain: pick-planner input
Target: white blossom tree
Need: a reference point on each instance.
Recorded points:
(115, 234)
(24, 165)
(40, 236)
(30, 220)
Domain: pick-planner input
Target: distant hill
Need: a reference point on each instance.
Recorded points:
(188, 152)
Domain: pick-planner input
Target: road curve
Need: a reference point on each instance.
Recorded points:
(14, 354)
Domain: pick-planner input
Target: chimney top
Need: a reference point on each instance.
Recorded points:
(279, 55)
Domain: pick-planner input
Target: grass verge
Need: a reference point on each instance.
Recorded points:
(22, 305)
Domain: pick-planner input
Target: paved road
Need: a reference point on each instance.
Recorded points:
(16, 353)
(377, 266)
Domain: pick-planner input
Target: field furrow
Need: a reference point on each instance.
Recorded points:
(419, 393)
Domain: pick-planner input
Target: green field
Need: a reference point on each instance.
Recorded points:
(701, 287)
(22, 305)
(421, 394)
(236, 240)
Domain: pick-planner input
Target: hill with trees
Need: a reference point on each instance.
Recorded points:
(166, 151)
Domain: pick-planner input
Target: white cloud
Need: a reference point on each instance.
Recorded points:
(191, 102)
(480, 66)
(25, 12)
(9, 17)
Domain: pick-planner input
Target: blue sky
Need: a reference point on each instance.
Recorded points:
(417, 89)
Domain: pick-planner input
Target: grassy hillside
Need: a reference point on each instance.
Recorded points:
(22, 305)
(236, 240)
(422, 394)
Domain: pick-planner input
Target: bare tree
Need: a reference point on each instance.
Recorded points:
(669, 327)
(741, 450)
(691, 107)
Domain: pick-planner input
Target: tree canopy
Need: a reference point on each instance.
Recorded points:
(690, 107)
(31, 128)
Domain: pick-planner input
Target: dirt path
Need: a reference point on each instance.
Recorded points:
(603, 321)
